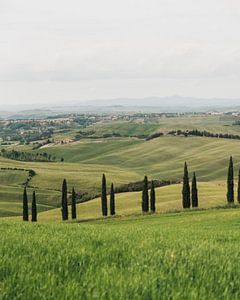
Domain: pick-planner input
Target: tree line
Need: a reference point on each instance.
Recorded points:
(204, 133)
(148, 203)
(104, 204)
(195, 132)
(190, 198)
(27, 156)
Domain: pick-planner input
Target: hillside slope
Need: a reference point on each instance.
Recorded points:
(169, 198)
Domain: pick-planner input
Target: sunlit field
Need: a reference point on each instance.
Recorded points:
(191, 255)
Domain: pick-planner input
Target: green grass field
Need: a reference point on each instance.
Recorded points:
(160, 158)
(192, 255)
(216, 124)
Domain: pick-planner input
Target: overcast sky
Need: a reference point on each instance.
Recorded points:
(54, 51)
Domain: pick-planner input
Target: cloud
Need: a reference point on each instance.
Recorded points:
(119, 62)
(44, 42)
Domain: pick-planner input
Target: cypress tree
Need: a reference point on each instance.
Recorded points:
(112, 201)
(145, 198)
(186, 188)
(239, 186)
(194, 191)
(104, 196)
(152, 198)
(34, 208)
(25, 205)
(64, 201)
(74, 212)
(230, 182)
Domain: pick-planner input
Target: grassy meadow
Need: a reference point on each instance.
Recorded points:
(148, 257)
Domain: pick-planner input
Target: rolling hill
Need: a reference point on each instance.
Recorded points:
(122, 160)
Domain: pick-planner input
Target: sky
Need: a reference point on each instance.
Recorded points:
(54, 51)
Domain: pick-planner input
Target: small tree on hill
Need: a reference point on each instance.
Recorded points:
(230, 182)
(152, 198)
(74, 211)
(194, 191)
(34, 208)
(145, 198)
(186, 189)
(25, 205)
(104, 196)
(112, 201)
(64, 201)
(239, 186)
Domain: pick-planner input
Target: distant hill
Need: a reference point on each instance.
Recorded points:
(4, 114)
(147, 104)
(31, 114)
(173, 102)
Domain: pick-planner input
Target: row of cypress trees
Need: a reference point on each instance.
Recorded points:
(145, 197)
(25, 206)
(186, 195)
(64, 208)
(189, 197)
(104, 204)
(104, 198)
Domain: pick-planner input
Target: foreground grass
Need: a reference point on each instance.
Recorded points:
(175, 256)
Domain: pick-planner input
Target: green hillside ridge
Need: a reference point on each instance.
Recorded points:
(216, 124)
